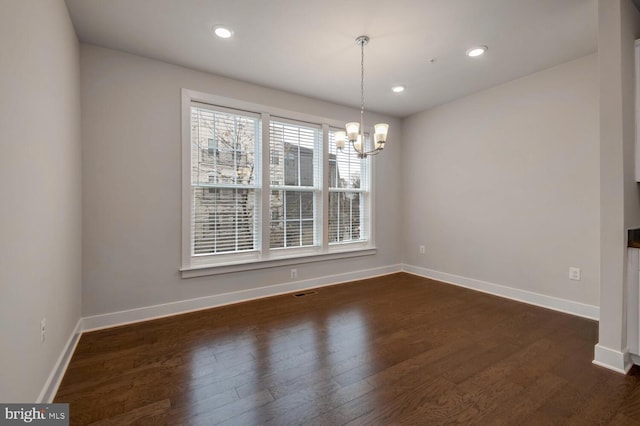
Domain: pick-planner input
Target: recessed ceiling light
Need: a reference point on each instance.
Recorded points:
(476, 51)
(222, 32)
(398, 89)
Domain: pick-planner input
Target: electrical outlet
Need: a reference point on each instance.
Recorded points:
(574, 273)
(294, 273)
(423, 250)
(43, 329)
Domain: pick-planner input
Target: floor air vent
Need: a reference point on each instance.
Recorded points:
(305, 293)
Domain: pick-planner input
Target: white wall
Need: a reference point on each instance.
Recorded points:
(131, 192)
(502, 185)
(618, 27)
(40, 190)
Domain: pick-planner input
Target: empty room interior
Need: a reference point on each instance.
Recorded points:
(321, 212)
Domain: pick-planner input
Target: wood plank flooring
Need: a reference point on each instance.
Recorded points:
(397, 349)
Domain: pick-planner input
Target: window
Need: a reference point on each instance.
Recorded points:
(294, 203)
(224, 184)
(348, 181)
(306, 199)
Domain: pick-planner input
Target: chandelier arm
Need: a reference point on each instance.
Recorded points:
(373, 152)
(363, 153)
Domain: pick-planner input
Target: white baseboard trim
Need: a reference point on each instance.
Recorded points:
(52, 384)
(550, 302)
(130, 316)
(612, 359)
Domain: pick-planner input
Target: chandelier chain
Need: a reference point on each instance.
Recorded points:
(362, 93)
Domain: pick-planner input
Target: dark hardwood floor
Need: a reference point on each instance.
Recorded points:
(392, 350)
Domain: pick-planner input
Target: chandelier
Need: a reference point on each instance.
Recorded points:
(354, 130)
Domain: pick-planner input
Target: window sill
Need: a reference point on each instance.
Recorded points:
(229, 267)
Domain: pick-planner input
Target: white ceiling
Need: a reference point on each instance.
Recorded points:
(307, 47)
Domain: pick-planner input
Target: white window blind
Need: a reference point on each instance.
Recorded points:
(224, 180)
(348, 192)
(295, 158)
(264, 187)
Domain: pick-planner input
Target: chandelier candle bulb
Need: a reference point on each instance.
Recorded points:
(353, 129)
(341, 138)
(381, 130)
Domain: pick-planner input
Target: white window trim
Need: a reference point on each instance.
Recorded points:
(265, 257)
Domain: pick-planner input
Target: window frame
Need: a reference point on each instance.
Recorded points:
(265, 257)
(315, 190)
(200, 258)
(364, 191)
